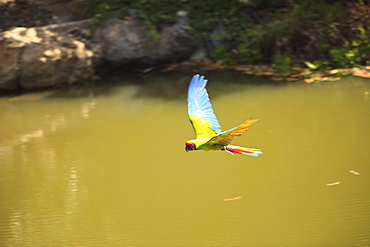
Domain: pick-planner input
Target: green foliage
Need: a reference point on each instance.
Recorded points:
(352, 53)
(250, 43)
(223, 53)
(282, 63)
(156, 12)
(311, 32)
(154, 35)
(316, 64)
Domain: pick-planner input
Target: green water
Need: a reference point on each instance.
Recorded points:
(104, 164)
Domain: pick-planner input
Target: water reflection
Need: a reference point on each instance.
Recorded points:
(103, 164)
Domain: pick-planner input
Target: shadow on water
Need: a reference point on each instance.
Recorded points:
(159, 85)
(173, 85)
(154, 85)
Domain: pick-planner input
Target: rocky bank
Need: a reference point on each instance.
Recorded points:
(53, 46)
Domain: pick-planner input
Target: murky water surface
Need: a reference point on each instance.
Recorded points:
(105, 165)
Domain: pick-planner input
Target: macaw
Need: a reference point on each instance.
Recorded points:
(209, 136)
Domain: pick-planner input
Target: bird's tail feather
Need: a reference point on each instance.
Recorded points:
(243, 150)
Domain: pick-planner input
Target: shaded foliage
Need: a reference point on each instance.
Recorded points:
(322, 33)
(20, 13)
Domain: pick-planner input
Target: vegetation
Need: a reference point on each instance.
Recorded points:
(319, 34)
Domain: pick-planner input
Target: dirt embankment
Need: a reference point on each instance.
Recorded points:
(33, 13)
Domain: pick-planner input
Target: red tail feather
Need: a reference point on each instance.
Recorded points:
(243, 150)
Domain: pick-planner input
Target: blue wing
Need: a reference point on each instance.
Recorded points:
(200, 110)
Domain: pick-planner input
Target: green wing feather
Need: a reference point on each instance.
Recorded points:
(224, 138)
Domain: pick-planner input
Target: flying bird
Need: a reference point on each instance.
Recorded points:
(209, 136)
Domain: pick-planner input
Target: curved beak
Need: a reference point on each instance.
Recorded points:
(190, 147)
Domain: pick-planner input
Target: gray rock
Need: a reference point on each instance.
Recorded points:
(9, 68)
(131, 41)
(47, 56)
